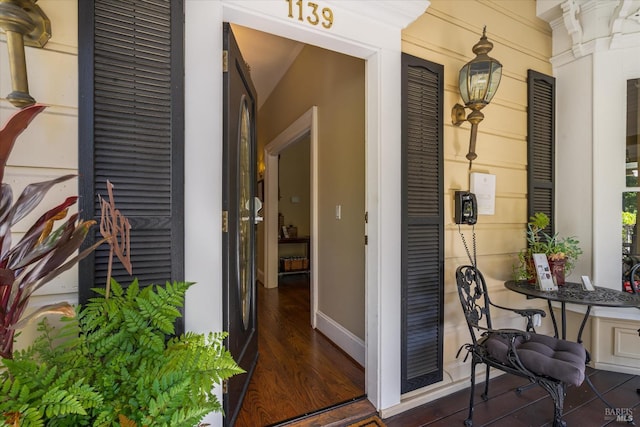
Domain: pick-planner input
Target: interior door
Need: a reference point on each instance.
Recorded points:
(238, 204)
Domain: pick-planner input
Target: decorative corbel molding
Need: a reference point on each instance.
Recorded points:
(620, 15)
(635, 16)
(624, 12)
(570, 11)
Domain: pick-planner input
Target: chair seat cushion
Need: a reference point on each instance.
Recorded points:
(543, 355)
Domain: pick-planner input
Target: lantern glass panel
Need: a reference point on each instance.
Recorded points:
(462, 83)
(496, 74)
(479, 73)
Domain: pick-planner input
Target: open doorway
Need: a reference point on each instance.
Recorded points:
(337, 125)
(304, 128)
(336, 200)
(294, 213)
(373, 34)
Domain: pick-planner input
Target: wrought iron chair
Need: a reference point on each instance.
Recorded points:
(631, 273)
(549, 362)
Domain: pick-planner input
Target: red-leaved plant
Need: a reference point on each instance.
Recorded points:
(43, 253)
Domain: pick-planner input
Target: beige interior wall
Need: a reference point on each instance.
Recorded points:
(445, 34)
(294, 181)
(335, 83)
(295, 201)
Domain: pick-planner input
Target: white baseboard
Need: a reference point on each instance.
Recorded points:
(348, 342)
(616, 368)
(436, 391)
(423, 398)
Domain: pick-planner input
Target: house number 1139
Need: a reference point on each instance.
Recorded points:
(324, 17)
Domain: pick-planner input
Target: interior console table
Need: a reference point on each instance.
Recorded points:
(572, 293)
(306, 241)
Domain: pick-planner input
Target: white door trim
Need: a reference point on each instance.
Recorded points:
(307, 123)
(363, 29)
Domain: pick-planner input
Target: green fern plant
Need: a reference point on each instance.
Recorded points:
(113, 365)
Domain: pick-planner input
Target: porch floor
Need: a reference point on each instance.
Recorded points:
(533, 407)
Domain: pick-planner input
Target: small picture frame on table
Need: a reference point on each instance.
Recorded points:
(586, 283)
(545, 278)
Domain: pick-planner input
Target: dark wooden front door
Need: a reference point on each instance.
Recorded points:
(238, 204)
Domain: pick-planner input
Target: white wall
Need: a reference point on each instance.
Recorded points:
(574, 108)
(596, 49)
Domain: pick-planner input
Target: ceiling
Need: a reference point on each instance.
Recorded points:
(268, 56)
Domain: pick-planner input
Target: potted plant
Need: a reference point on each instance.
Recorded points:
(561, 252)
(43, 252)
(116, 361)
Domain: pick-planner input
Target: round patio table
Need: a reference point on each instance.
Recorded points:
(573, 293)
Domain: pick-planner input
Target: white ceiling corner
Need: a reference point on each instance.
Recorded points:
(268, 57)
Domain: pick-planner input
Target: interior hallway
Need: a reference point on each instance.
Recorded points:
(299, 370)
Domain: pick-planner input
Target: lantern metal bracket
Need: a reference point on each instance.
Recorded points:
(458, 115)
(23, 23)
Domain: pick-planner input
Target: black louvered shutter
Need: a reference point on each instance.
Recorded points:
(422, 223)
(541, 125)
(131, 132)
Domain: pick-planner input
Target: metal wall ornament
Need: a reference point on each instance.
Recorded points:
(478, 83)
(24, 24)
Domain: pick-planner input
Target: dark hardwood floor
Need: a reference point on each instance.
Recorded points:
(533, 407)
(299, 370)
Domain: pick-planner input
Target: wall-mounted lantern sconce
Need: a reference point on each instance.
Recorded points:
(478, 82)
(23, 23)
